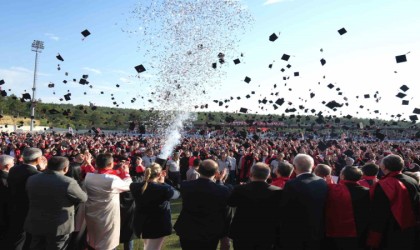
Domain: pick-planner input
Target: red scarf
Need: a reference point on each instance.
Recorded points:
(364, 181)
(399, 199)
(280, 182)
(339, 211)
(117, 172)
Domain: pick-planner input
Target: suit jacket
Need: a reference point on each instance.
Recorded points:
(204, 210)
(303, 202)
(75, 171)
(52, 197)
(18, 175)
(257, 207)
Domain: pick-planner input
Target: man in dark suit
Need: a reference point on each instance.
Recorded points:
(303, 201)
(257, 205)
(52, 197)
(395, 208)
(202, 221)
(18, 175)
(6, 162)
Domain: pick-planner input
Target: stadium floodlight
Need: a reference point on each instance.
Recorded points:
(37, 47)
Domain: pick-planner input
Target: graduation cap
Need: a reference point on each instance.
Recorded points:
(413, 118)
(401, 58)
(280, 101)
(2, 82)
(342, 31)
(243, 110)
(59, 57)
(237, 61)
(296, 74)
(404, 88)
(26, 96)
(214, 65)
(51, 85)
(273, 37)
(248, 96)
(282, 70)
(323, 62)
(83, 81)
(140, 68)
(64, 81)
(367, 96)
(270, 66)
(117, 85)
(380, 136)
(247, 79)
(333, 104)
(67, 97)
(288, 66)
(85, 33)
(53, 111)
(400, 95)
(330, 85)
(405, 102)
(3, 93)
(285, 57)
(416, 111)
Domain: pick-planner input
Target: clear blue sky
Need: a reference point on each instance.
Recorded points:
(359, 62)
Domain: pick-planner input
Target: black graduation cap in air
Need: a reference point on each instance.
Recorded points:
(214, 65)
(400, 95)
(367, 96)
(296, 74)
(243, 110)
(140, 68)
(273, 37)
(405, 102)
(53, 111)
(237, 61)
(247, 79)
(342, 31)
(280, 101)
(117, 85)
(3, 93)
(285, 57)
(323, 62)
(401, 58)
(67, 97)
(85, 33)
(330, 85)
(404, 88)
(26, 96)
(413, 118)
(416, 111)
(51, 85)
(333, 104)
(2, 82)
(270, 66)
(59, 57)
(312, 95)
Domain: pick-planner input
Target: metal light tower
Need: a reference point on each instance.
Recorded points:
(37, 47)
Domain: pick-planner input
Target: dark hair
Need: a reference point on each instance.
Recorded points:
(195, 153)
(58, 163)
(196, 162)
(351, 173)
(260, 171)
(285, 169)
(322, 170)
(208, 168)
(103, 160)
(393, 163)
(370, 169)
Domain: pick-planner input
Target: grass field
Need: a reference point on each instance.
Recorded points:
(172, 241)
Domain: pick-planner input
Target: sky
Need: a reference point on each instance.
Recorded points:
(360, 62)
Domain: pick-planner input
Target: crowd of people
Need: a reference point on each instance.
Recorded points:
(70, 191)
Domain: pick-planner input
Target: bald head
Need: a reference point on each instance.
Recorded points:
(208, 168)
(303, 163)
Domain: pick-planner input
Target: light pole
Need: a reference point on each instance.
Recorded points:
(37, 47)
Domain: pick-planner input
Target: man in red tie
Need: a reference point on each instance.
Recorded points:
(395, 208)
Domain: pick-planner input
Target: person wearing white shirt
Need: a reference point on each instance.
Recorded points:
(173, 169)
(102, 212)
(149, 158)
